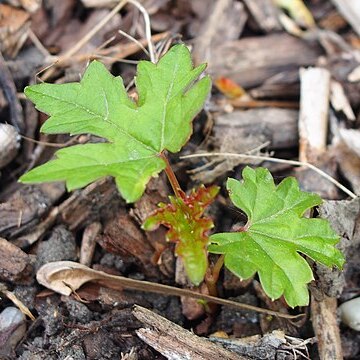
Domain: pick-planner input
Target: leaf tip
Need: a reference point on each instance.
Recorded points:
(26, 178)
(230, 181)
(27, 90)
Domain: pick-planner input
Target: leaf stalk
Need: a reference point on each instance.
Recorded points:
(172, 178)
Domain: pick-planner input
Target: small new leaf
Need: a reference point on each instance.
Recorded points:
(187, 228)
(275, 235)
(136, 133)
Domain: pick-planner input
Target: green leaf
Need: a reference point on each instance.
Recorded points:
(275, 234)
(187, 228)
(136, 133)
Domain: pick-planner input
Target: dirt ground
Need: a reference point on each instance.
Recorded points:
(286, 93)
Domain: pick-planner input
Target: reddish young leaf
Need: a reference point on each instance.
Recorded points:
(187, 228)
(229, 88)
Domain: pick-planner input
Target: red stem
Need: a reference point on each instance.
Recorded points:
(172, 177)
(212, 276)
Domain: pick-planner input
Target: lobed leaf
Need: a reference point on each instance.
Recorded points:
(275, 235)
(187, 228)
(136, 133)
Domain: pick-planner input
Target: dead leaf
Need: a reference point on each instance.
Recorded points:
(64, 277)
(229, 88)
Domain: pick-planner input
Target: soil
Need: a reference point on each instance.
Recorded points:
(261, 52)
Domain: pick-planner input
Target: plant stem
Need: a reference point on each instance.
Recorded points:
(212, 276)
(172, 178)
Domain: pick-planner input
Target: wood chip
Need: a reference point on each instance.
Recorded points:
(225, 22)
(323, 317)
(15, 265)
(14, 26)
(349, 164)
(88, 243)
(354, 75)
(247, 132)
(251, 61)
(351, 137)
(278, 126)
(339, 101)
(23, 210)
(122, 236)
(265, 13)
(9, 144)
(314, 109)
(176, 343)
(350, 9)
(31, 5)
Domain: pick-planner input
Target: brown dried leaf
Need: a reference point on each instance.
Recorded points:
(64, 277)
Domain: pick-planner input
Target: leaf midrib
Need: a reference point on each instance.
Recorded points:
(271, 258)
(91, 112)
(166, 102)
(112, 163)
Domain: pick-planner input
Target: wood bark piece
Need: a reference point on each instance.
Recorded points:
(9, 144)
(350, 9)
(343, 216)
(247, 132)
(15, 265)
(289, 90)
(156, 191)
(25, 207)
(14, 27)
(98, 3)
(88, 243)
(273, 345)
(251, 61)
(122, 236)
(348, 156)
(31, 5)
(265, 14)
(314, 109)
(351, 138)
(97, 201)
(349, 165)
(339, 100)
(176, 343)
(323, 317)
(9, 88)
(225, 22)
(278, 126)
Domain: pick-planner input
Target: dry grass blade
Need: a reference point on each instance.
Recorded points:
(276, 160)
(11, 296)
(65, 57)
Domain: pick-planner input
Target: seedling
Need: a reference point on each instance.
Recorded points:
(138, 135)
